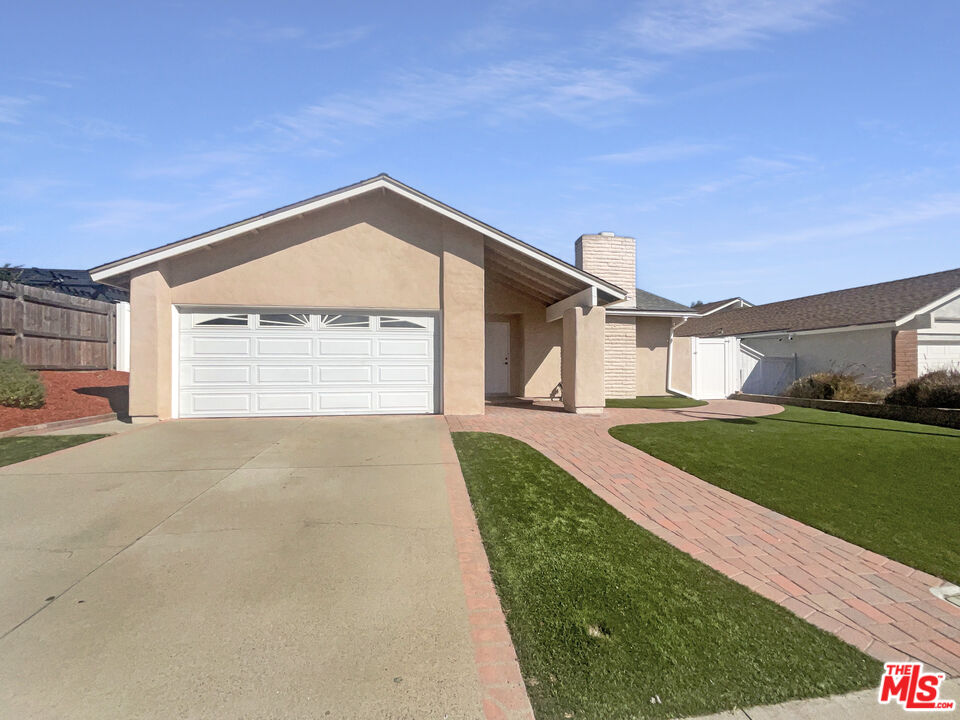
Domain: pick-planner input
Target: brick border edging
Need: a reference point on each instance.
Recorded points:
(59, 425)
(942, 417)
(504, 694)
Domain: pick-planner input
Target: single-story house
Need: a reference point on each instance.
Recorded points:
(377, 298)
(888, 333)
(717, 305)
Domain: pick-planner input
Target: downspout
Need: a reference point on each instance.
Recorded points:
(670, 367)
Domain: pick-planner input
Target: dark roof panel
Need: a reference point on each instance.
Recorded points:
(866, 305)
(71, 282)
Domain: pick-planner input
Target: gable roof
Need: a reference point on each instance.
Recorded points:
(716, 305)
(887, 302)
(119, 268)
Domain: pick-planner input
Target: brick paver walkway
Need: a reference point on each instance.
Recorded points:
(882, 607)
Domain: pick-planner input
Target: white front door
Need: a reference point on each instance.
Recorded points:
(272, 362)
(497, 358)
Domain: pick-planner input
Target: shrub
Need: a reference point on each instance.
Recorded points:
(833, 386)
(20, 387)
(937, 389)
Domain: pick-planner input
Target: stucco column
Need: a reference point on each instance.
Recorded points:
(150, 338)
(582, 360)
(463, 323)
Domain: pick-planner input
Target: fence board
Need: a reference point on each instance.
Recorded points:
(48, 330)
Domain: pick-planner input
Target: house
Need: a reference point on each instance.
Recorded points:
(709, 308)
(70, 282)
(887, 333)
(376, 298)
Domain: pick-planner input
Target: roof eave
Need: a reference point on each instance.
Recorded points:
(103, 273)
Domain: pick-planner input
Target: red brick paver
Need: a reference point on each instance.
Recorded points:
(881, 606)
(504, 692)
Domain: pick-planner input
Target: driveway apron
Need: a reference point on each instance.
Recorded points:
(254, 568)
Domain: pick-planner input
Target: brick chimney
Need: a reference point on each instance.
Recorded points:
(614, 258)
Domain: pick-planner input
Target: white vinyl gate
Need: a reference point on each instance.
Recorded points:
(268, 362)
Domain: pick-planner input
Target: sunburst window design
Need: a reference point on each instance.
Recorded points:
(220, 320)
(344, 321)
(284, 320)
(402, 323)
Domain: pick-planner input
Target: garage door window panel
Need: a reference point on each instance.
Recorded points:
(287, 321)
(215, 320)
(344, 321)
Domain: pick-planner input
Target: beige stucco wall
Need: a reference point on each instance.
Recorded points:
(681, 365)
(868, 353)
(376, 251)
(539, 353)
(653, 339)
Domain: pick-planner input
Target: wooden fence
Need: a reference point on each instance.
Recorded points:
(47, 330)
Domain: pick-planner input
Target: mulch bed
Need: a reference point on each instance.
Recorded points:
(71, 395)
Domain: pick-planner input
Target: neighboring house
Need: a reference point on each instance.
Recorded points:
(709, 308)
(70, 282)
(888, 333)
(376, 298)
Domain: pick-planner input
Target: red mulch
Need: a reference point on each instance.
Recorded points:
(73, 395)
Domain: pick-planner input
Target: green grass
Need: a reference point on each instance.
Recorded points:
(655, 402)
(18, 449)
(891, 487)
(606, 616)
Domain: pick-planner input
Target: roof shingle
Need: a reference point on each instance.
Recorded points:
(654, 303)
(866, 305)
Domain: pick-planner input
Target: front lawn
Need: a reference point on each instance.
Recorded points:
(18, 449)
(888, 486)
(655, 402)
(611, 622)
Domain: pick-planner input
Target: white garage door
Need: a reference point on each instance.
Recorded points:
(937, 352)
(305, 363)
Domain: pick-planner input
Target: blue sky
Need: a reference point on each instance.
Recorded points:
(764, 148)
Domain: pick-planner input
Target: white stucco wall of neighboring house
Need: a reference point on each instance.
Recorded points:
(866, 352)
(938, 339)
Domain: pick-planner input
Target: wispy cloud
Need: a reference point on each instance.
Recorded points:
(750, 171)
(679, 26)
(936, 207)
(514, 89)
(268, 34)
(260, 32)
(340, 38)
(12, 108)
(662, 152)
(122, 213)
(196, 164)
(100, 129)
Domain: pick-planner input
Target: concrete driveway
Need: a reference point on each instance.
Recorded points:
(255, 568)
